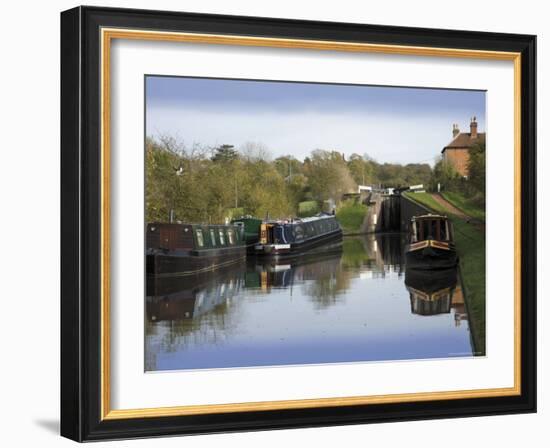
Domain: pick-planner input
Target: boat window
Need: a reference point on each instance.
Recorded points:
(231, 236)
(426, 234)
(213, 237)
(442, 231)
(200, 237)
(222, 237)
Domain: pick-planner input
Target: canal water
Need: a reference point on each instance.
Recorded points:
(356, 302)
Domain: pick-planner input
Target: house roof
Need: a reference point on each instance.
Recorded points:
(464, 140)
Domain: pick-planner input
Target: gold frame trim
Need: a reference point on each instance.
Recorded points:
(107, 35)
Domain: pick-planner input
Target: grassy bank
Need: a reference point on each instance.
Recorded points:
(350, 215)
(467, 205)
(470, 245)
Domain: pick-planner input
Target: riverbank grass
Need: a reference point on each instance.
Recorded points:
(351, 214)
(470, 245)
(465, 204)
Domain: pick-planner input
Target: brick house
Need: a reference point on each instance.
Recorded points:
(457, 152)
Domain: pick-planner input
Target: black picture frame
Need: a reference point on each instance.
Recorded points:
(81, 224)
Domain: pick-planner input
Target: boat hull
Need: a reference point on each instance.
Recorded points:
(189, 263)
(430, 255)
(297, 249)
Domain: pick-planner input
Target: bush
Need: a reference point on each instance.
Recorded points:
(308, 208)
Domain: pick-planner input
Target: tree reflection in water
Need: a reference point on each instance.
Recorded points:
(208, 313)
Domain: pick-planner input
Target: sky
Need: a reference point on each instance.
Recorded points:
(389, 124)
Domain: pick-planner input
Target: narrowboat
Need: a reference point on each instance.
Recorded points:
(251, 229)
(190, 249)
(431, 244)
(297, 236)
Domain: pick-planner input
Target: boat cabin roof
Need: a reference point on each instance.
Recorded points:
(300, 220)
(314, 218)
(428, 216)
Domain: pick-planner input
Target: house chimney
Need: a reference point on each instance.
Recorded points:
(456, 131)
(473, 128)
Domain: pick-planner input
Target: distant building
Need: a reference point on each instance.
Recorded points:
(457, 152)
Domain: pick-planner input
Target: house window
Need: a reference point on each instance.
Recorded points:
(213, 237)
(200, 237)
(222, 237)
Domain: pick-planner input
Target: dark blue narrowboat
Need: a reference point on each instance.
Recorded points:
(297, 236)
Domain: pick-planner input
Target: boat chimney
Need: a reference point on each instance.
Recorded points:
(171, 216)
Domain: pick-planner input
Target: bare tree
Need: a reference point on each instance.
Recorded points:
(255, 151)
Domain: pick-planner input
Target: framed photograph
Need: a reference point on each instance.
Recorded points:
(273, 223)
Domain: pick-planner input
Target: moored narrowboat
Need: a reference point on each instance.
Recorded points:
(251, 229)
(431, 244)
(190, 249)
(296, 237)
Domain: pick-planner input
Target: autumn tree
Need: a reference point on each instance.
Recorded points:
(328, 175)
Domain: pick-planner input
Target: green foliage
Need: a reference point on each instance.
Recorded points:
(308, 208)
(225, 153)
(210, 184)
(446, 176)
(234, 213)
(351, 215)
(361, 169)
(202, 189)
(470, 244)
(328, 175)
(395, 175)
(366, 171)
(354, 254)
(467, 192)
(476, 168)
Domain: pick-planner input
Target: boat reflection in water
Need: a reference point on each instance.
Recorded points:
(436, 292)
(345, 302)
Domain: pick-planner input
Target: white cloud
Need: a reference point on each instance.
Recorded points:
(395, 137)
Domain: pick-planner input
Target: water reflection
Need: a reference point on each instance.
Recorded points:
(351, 302)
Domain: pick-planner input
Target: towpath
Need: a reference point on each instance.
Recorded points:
(456, 211)
(449, 207)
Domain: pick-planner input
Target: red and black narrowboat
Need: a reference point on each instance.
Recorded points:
(431, 244)
(190, 249)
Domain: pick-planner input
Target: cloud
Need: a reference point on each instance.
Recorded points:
(387, 137)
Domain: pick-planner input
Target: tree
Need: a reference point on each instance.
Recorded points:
(360, 169)
(445, 175)
(254, 151)
(476, 168)
(225, 153)
(328, 175)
